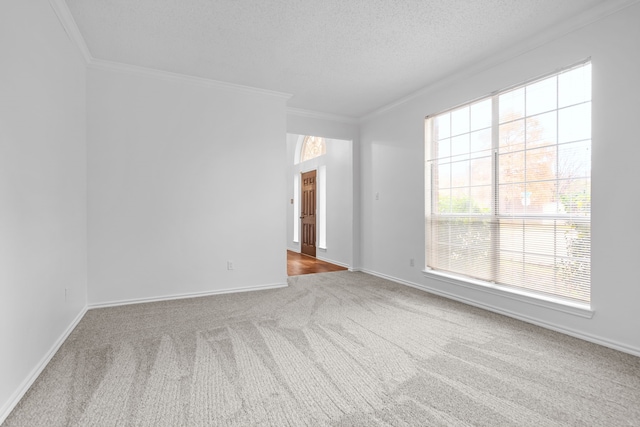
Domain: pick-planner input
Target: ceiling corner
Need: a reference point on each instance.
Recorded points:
(100, 64)
(71, 28)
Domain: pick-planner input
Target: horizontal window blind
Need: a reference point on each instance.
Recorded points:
(508, 183)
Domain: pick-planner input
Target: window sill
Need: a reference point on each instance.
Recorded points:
(557, 304)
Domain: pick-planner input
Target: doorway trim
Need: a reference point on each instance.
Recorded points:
(342, 200)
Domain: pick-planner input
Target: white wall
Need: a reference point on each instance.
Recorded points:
(392, 165)
(326, 127)
(42, 190)
(338, 129)
(182, 179)
(338, 166)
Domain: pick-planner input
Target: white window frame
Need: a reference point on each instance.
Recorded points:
(578, 308)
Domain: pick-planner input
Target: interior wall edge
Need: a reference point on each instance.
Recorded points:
(101, 64)
(331, 261)
(69, 25)
(6, 409)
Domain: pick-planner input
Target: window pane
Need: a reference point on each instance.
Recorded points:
(511, 199)
(478, 239)
(480, 142)
(460, 146)
(481, 115)
(512, 136)
(539, 270)
(460, 174)
(444, 149)
(480, 199)
(441, 252)
(511, 105)
(540, 241)
(574, 160)
(444, 175)
(575, 196)
(574, 123)
(460, 200)
(541, 163)
(444, 201)
(574, 86)
(540, 198)
(511, 238)
(443, 126)
(574, 272)
(460, 121)
(312, 147)
(542, 129)
(542, 96)
(481, 171)
(511, 167)
(462, 245)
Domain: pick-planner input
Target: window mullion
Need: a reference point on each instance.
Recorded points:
(494, 221)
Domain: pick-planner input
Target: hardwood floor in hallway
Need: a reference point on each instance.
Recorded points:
(298, 264)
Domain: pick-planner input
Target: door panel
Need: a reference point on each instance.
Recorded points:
(308, 213)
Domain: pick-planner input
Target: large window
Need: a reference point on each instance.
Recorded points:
(508, 181)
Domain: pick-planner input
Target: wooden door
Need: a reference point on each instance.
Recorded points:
(308, 213)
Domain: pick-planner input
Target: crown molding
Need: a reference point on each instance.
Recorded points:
(69, 25)
(551, 33)
(101, 64)
(65, 17)
(300, 112)
(594, 14)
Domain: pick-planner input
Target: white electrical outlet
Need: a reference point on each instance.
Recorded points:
(229, 265)
(412, 262)
(66, 294)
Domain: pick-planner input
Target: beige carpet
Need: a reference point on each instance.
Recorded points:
(334, 349)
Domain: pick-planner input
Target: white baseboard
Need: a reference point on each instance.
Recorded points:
(341, 264)
(187, 295)
(544, 324)
(6, 409)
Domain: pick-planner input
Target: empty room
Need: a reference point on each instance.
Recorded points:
(319, 213)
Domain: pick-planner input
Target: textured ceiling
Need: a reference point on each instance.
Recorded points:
(346, 57)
